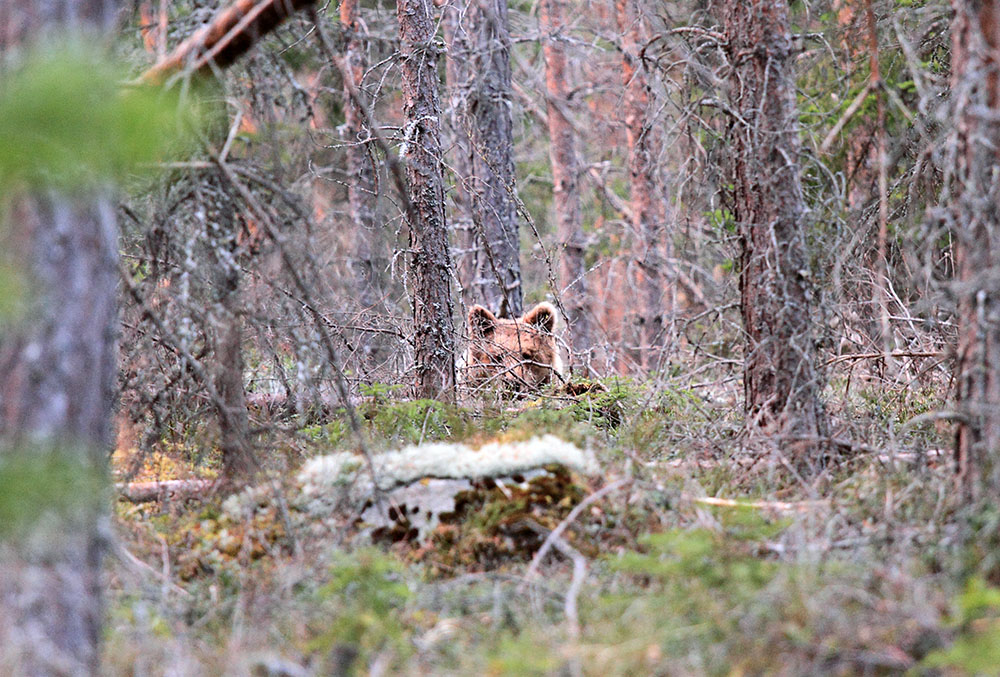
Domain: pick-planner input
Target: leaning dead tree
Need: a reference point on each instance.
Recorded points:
(231, 32)
(479, 80)
(974, 210)
(430, 265)
(57, 376)
(781, 383)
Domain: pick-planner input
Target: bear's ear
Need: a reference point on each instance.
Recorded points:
(481, 321)
(542, 316)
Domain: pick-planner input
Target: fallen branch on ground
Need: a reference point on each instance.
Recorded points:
(141, 492)
(761, 505)
(558, 531)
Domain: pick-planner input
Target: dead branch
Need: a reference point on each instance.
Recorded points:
(783, 506)
(558, 531)
(141, 492)
(872, 356)
(231, 32)
(845, 118)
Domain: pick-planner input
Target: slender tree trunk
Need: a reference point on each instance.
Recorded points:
(647, 205)
(976, 224)
(434, 340)
(781, 383)
(565, 179)
(456, 28)
(478, 39)
(361, 185)
(234, 426)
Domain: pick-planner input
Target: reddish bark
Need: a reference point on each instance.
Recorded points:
(230, 33)
(361, 187)
(976, 227)
(650, 243)
(781, 383)
(566, 184)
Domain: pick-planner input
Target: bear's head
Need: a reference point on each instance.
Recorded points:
(520, 354)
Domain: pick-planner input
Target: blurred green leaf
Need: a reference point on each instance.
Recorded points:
(68, 119)
(35, 481)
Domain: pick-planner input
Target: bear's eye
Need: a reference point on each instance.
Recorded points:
(526, 357)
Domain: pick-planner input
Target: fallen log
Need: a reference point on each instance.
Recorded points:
(143, 492)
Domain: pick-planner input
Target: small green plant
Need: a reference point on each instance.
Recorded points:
(976, 649)
(367, 595)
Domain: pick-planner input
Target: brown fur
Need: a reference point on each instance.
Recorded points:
(519, 354)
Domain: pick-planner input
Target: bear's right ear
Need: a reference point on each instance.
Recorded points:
(481, 321)
(542, 316)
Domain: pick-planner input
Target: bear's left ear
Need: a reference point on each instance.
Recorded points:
(542, 316)
(481, 321)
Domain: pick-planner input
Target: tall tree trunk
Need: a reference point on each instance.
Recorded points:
(565, 179)
(57, 374)
(652, 247)
(234, 427)
(976, 224)
(456, 28)
(361, 186)
(781, 382)
(434, 340)
(478, 71)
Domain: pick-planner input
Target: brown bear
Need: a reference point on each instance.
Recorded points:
(516, 354)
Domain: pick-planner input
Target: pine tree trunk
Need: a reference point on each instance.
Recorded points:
(468, 248)
(976, 225)
(57, 380)
(565, 179)
(434, 348)
(361, 184)
(478, 39)
(781, 384)
(57, 386)
(234, 426)
(648, 213)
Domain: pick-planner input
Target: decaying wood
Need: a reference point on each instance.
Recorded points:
(143, 492)
(230, 33)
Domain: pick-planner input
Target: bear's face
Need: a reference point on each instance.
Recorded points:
(520, 354)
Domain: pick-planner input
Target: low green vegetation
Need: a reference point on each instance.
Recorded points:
(703, 561)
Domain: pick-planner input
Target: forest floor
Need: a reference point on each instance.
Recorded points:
(696, 551)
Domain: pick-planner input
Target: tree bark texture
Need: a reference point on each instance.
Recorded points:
(976, 226)
(479, 79)
(238, 462)
(362, 188)
(565, 179)
(781, 383)
(648, 212)
(231, 32)
(457, 38)
(434, 342)
(57, 382)
(360, 167)
(57, 377)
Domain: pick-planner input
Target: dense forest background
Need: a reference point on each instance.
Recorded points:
(239, 245)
